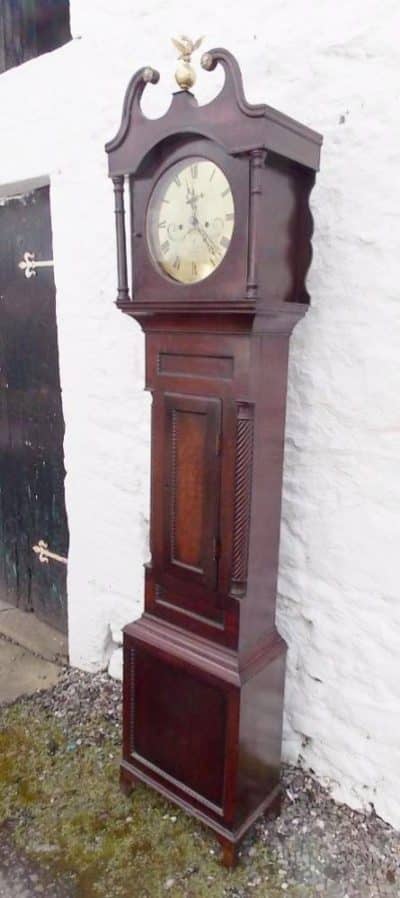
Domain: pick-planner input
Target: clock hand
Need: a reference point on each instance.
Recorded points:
(191, 197)
(194, 198)
(195, 225)
(207, 240)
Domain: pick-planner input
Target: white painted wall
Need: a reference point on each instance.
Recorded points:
(336, 68)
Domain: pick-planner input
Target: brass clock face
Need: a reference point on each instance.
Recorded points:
(190, 220)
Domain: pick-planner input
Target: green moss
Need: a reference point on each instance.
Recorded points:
(68, 813)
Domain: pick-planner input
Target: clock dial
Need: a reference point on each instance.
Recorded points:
(190, 220)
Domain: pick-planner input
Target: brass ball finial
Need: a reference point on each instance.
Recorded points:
(185, 74)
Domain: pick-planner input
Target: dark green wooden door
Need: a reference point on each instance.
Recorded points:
(32, 506)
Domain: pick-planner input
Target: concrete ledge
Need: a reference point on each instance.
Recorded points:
(26, 630)
(22, 673)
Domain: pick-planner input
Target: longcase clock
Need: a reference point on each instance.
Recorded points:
(219, 245)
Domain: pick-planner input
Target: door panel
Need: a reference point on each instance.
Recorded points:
(191, 483)
(189, 437)
(179, 725)
(32, 506)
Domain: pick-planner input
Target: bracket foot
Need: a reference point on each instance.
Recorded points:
(229, 854)
(127, 783)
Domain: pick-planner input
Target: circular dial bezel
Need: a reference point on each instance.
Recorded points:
(190, 220)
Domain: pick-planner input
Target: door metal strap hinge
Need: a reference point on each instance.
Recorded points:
(43, 553)
(29, 264)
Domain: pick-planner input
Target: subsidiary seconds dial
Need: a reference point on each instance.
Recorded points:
(190, 220)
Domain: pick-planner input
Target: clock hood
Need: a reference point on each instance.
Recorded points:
(229, 120)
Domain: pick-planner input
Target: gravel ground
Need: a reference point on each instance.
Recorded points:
(329, 849)
(316, 847)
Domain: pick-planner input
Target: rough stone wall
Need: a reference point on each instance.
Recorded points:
(336, 68)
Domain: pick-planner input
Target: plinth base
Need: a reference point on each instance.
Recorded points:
(202, 726)
(228, 839)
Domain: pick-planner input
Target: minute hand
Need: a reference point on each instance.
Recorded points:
(207, 240)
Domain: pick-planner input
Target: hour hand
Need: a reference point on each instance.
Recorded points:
(192, 197)
(190, 194)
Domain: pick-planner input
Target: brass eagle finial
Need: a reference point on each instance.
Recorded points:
(185, 74)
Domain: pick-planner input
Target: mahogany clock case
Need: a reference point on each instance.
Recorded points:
(204, 665)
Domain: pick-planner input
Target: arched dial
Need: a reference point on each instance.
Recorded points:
(190, 219)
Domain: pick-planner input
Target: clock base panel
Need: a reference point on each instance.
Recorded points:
(210, 742)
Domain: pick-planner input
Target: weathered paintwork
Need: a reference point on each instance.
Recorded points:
(32, 505)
